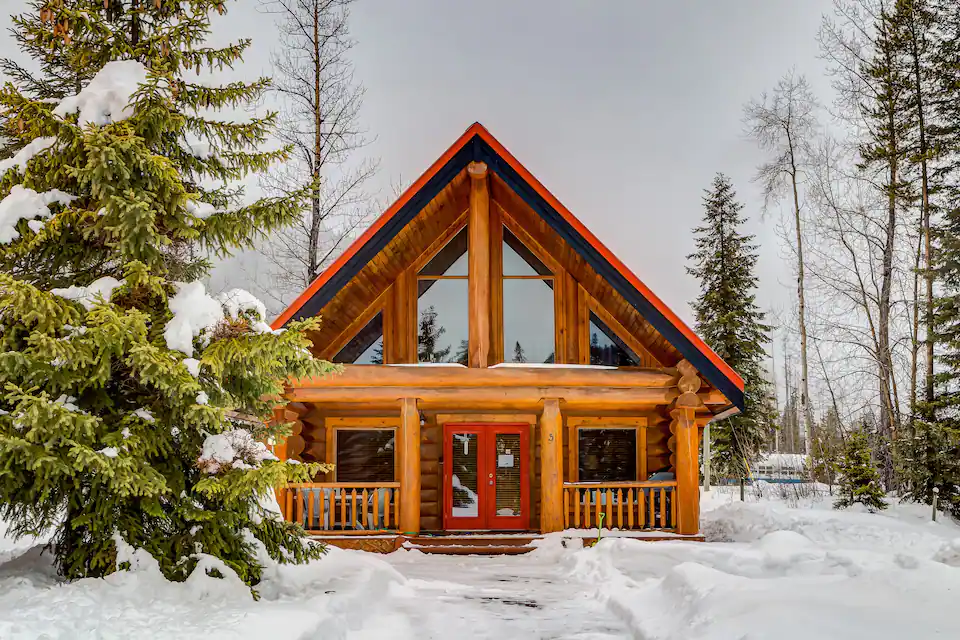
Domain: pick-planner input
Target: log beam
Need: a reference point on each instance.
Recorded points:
(409, 467)
(491, 398)
(551, 467)
(478, 275)
(363, 375)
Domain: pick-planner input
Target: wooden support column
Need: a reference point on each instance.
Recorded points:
(683, 426)
(551, 467)
(409, 466)
(478, 229)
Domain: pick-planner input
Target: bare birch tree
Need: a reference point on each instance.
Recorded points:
(784, 124)
(319, 119)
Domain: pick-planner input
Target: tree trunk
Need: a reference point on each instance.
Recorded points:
(313, 258)
(804, 386)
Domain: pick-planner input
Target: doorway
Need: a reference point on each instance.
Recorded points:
(485, 477)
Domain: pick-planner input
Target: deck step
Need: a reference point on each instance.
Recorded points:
(471, 549)
(471, 541)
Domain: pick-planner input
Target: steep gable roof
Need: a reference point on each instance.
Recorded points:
(477, 144)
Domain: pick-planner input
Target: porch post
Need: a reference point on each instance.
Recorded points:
(551, 466)
(478, 257)
(684, 429)
(409, 440)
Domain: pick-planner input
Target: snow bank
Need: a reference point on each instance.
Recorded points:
(234, 449)
(90, 295)
(23, 203)
(21, 158)
(107, 98)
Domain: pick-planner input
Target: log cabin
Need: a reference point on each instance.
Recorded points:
(503, 372)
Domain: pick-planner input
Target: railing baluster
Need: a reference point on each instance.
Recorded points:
(566, 509)
(353, 508)
(641, 510)
(609, 517)
(298, 505)
(673, 507)
(396, 508)
(386, 508)
(377, 493)
(363, 510)
(576, 508)
(343, 508)
(653, 510)
(619, 508)
(324, 521)
(289, 502)
(309, 494)
(663, 508)
(630, 508)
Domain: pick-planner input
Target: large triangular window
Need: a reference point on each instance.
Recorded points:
(606, 347)
(442, 304)
(528, 305)
(366, 347)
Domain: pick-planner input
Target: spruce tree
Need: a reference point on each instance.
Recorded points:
(729, 321)
(859, 481)
(519, 355)
(123, 381)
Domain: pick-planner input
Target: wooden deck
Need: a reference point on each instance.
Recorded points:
(482, 543)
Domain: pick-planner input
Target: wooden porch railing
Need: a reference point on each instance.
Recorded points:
(626, 505)
(343, 507)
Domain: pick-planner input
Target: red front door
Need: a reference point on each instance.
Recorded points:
(485, 477)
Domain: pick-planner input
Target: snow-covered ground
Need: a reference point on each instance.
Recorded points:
(773, 569)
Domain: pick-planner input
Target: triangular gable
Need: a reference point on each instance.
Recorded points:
(478, 145)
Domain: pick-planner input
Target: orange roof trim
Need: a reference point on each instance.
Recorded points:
(477, 130)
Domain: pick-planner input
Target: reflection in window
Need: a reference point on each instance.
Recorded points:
(528, 333)
(365, 455)
(607, 348)
(528, 321)
(366, 347)
(520, 261)
(608, 455)
(451, 260)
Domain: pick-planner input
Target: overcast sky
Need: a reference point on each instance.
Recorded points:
(624, 110)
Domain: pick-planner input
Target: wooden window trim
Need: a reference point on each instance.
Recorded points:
(333, 425)
(577, 424)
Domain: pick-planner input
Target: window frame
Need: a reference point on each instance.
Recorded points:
(593, 306)
(334, 425)
(638, 424)
(460, 226)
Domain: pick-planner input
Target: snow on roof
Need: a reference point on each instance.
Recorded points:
(107, 98)
(547, 365)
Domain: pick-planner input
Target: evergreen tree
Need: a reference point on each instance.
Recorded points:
(827, 448)
(931, 458)
(731, 324)
(518, 354)
(859, 479)
(428, 338)
(463, 353)
(121, 377)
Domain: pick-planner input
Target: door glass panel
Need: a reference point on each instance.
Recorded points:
(508, 474)
(528, 321)
(466, 497)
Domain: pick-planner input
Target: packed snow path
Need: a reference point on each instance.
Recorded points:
(789, 570)
(500, 597)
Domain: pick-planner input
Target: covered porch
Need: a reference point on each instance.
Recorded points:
(452, 450)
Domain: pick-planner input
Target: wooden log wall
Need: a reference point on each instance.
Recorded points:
(431, 478)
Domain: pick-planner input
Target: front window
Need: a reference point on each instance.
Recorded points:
(607, 455)
(443, 305)
(365, 455)
(528, 305)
